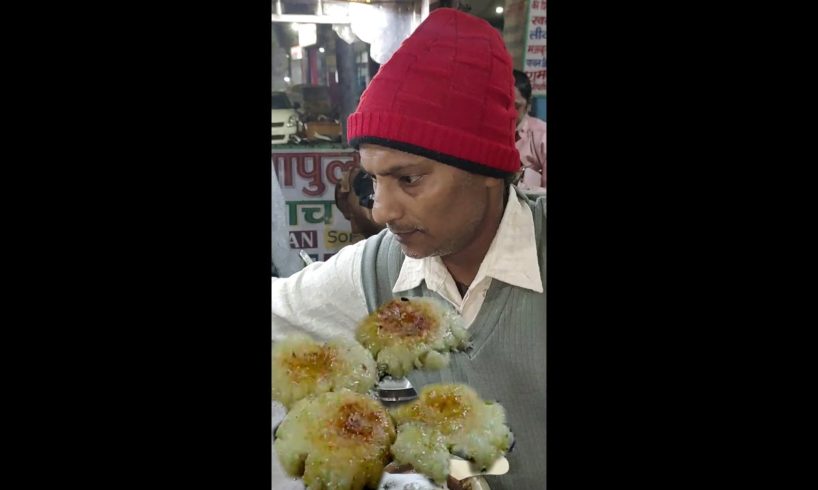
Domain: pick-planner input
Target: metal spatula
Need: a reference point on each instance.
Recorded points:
(460, 469)
(396, 390)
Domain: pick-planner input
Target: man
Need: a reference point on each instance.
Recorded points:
(435, 129)
(531, 136)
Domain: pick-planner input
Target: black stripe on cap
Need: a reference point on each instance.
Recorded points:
(460, 163)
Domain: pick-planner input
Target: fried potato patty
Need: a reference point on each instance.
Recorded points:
(405, 333)
(303, 367)
(336, 440)
(449, 418)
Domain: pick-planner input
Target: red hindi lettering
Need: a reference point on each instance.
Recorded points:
(284, 163)
(316, 186)
(336, 168)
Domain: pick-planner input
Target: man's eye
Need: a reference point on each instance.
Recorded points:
(410, 179)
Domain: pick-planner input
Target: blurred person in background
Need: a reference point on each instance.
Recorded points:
(530, 136)
(353, 197)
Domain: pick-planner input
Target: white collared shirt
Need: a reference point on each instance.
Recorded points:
(327, 299)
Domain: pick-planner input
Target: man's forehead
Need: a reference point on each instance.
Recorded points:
(380, 159)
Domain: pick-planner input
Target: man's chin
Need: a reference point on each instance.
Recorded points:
(412, 252)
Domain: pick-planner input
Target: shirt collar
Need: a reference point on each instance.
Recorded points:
(511, 257)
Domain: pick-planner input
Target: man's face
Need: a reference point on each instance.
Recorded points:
(431, 208)
(520, 105)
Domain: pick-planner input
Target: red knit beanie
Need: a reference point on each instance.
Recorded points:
(446, 94)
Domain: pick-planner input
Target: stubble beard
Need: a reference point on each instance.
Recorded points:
(455, 243)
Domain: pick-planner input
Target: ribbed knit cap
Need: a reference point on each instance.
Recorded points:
(447, 94)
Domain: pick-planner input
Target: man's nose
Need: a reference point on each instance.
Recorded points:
(386, 208)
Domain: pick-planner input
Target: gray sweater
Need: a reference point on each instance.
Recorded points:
(507, 360)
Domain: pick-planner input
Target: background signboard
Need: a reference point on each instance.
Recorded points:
(535, 52)
(307, 179)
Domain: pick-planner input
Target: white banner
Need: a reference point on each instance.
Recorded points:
(535, 52)
(307, 179)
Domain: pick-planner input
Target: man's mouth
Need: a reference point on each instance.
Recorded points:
(402, 235)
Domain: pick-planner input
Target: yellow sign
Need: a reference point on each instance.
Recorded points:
(335, 239)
